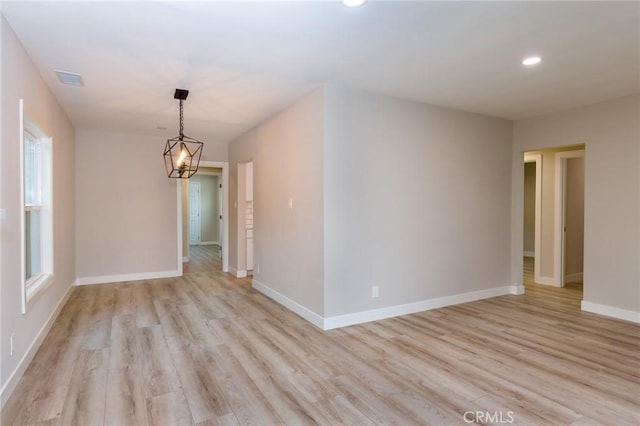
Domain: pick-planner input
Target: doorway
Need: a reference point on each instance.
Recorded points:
(245, 222)
(553, 217)
(203, 229)
(570, 213)
(532, 216)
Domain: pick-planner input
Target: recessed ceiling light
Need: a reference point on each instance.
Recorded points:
(531, 60)
(69, 78)
(353, 3)
(161, 128)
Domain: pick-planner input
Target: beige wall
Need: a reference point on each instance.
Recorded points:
(574, 213)
(287, 163)
(126, 207)
(20, 79)
(529, 207)
(611, 136)
(434, 224)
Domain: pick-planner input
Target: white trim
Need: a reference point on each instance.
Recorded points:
(346, 320)
(537, 159)
(574, 278)
(410, 308)
(15, 377)
(546, 281)
(237, 273)
(559, 200)
(610, 311)
(23, 265)
(517, 289)
(205, 243)
(290, 304)
(104, 279)
(179, 233)
(529, 254)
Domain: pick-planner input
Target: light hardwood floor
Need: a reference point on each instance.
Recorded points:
(206, 349)
(202, 259)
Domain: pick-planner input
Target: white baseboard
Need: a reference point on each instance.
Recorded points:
(377, 314)
(290, 304)
(574, 278)
(205, 243)
(517, 289)
(411, 308)
(185, 259)
(547, 281)
(237, 273)
(529, 254)
(15, 377)
(610, 311)
(104, 279)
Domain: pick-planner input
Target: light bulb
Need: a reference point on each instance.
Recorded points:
(532, 60)
(353, 3)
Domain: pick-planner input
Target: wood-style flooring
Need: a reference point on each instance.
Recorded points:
(203, 259)
(207, 349)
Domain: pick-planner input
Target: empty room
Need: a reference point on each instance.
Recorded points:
(332, 212)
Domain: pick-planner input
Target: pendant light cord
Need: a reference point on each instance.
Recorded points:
(181, 121)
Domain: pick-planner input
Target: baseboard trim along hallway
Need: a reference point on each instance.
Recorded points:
(106, 279)
(610, 311)
(338, 321)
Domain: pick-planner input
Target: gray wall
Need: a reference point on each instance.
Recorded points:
(20, 79)
(287, 163)
(126, 206)
(416, 201)
(611, 136)
(529, 207)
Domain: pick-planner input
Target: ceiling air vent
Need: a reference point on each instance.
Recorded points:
(70, 78)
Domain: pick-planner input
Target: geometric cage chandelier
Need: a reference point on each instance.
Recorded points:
(182, 153)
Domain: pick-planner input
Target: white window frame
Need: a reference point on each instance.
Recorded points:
(36, 284)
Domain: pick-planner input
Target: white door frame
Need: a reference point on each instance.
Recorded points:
(559, 222)
(225, 214)
(537, 159)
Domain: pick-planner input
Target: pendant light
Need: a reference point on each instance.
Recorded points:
(182, 153)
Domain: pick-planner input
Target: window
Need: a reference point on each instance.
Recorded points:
(37, 223)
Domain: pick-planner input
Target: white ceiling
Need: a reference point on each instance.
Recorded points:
(244, 61)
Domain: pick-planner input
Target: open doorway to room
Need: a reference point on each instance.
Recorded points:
(553, 219)
(245, 214)
(204, 219)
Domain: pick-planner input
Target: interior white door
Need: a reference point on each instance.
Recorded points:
(194, 212)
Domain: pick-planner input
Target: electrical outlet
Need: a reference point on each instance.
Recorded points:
(375, 291)
(290, 203)
(258, 270)
(12, 345)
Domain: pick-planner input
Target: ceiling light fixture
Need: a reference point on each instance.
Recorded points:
(182, 153)
(532, 60)
(353, 3)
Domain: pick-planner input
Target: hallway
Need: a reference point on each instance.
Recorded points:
(203, 259)
(569, 295)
